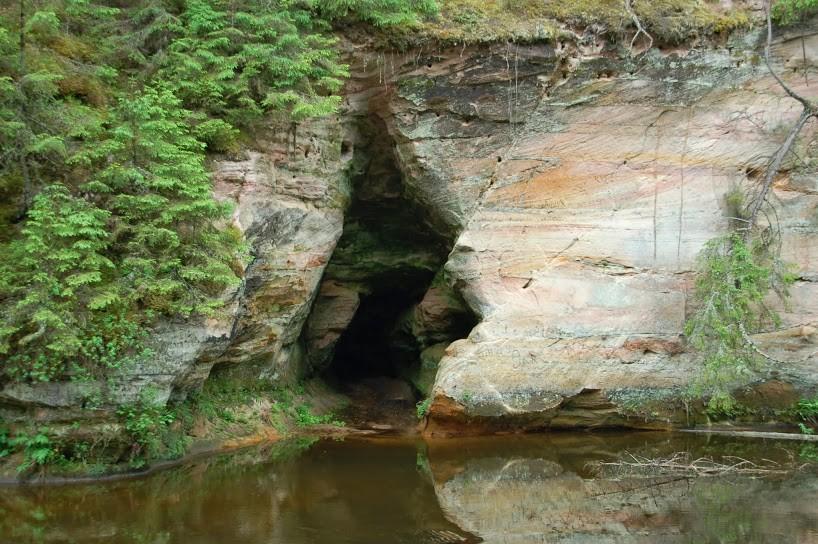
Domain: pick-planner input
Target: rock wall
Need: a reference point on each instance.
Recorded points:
(575, 185)
(290, 204)
(581, 183)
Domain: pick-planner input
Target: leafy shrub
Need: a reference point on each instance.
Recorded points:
(38, 450)
(305, 418)
(145, 422)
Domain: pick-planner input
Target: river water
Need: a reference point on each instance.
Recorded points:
(507, 489)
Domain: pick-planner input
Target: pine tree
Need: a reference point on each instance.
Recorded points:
(241, 60)
(107, 212)
(378, 12)
(153, 181)
(31, 129)
(53, 278)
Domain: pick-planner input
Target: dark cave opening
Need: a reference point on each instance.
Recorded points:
(372, 346)
(389, 257)
(387, 267)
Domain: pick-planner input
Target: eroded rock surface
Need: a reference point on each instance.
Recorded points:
(581, 186)
(290, 205)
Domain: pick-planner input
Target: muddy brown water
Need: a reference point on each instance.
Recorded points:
(506, 489)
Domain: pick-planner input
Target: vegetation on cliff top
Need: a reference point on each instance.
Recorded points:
(107, 110)
(669, 21)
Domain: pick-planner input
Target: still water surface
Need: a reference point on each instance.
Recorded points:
(512, 489)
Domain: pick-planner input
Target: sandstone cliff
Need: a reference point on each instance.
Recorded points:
(580, 186)
(554, 191)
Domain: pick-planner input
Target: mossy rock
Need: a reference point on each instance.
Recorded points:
(520, 21)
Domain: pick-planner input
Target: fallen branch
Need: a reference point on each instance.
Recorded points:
(809, 111)
(682, 463)
(756, 434)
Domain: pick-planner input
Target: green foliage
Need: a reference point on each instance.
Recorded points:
(236, 407)
(789, 11)
(732, 283)
(240, 60)
(807, 410)
(53, 274)
(378, 12)
(804, 429)
(145, 422)
(305, 418)
(151, 176)
(809, 452)
(422, 408)
(5, 443)
(219, 395)
(38, 450)
(106, 112)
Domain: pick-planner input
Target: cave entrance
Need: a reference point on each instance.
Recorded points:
(388, 258)
(372, 345)
(383, 304)
(374, 362)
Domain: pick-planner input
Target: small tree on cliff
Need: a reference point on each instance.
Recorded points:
(738, 270)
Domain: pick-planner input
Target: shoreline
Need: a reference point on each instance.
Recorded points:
(212, 448)
(205, 449)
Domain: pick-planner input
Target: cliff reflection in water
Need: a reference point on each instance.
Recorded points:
(513, 489)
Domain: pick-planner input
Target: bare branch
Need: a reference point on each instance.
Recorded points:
(810, 110)
(809, 106)
(683, 464)
(774, 168)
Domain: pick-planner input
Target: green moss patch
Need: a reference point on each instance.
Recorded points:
(486, 21)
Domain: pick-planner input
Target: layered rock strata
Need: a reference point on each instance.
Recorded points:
(581, 186)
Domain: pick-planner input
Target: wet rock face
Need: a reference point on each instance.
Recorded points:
(580, 191)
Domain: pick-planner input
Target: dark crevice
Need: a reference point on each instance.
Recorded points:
(386, 261)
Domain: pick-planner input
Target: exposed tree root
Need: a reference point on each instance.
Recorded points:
(639, 28)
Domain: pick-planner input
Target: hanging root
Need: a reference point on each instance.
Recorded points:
(639, 28)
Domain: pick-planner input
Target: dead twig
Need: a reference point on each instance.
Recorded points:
(682, 463)
(809, 111)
